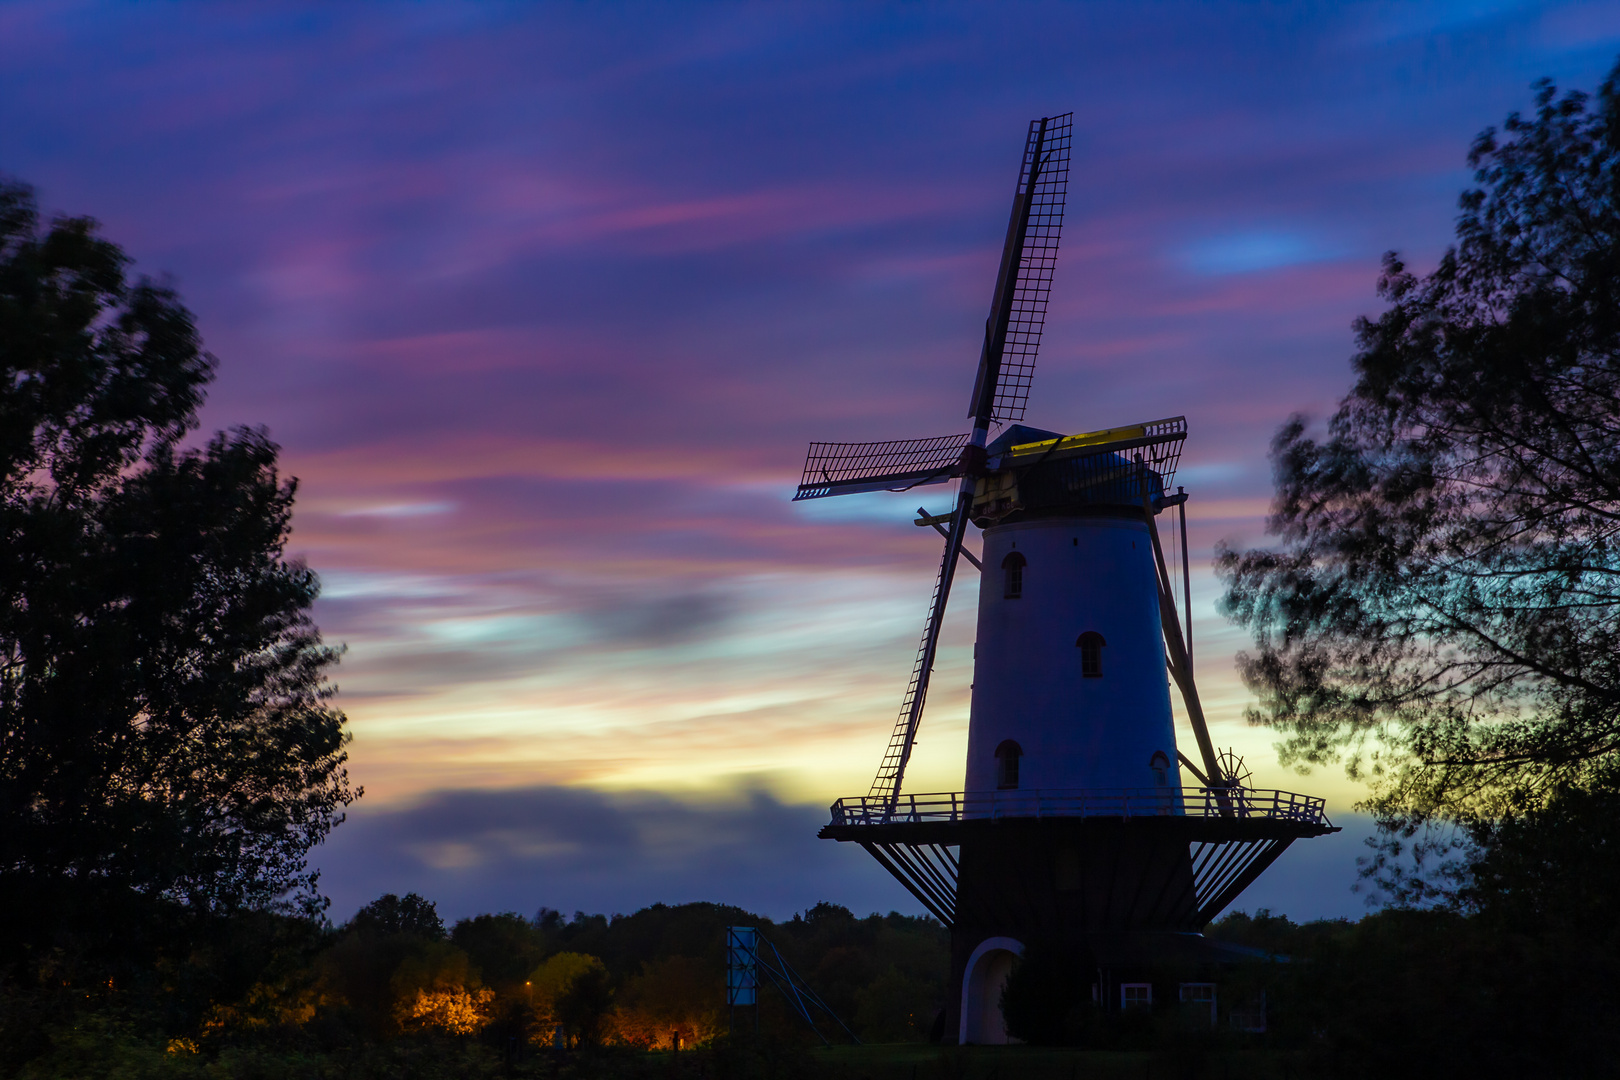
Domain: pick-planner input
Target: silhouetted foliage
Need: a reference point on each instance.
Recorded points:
(1047, 997)
(410, 914)
(1493, 989)
(582, 1007)
(1552, 869)
(166, 745)
(886, 973)
(1433, 993)
(1444, 613)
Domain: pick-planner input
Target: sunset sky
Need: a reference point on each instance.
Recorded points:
(544, 301)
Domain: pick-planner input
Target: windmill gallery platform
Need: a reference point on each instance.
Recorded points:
(1075, 829)
(1120, 877)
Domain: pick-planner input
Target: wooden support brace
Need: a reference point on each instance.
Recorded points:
(1188, 762)
(936, 522)
(1176, 653)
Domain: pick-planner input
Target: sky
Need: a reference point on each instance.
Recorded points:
(543, 303)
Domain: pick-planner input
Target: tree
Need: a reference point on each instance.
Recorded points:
(506, 947)
(673, 995)
(436, 987)
(1443, 614)
(1553, 870)
(391, 914)
(583, 1007)
(1043, 1000)
(572, 991)
(166, 736)
(381, 982)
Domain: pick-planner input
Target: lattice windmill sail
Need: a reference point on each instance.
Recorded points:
(1012, 339)
(1074, 826)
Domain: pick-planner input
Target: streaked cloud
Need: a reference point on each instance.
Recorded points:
(1248, 252)
(399, 510)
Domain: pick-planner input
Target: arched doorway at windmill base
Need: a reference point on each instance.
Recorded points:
(982, 981)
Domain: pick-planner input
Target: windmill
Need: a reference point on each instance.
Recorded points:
(1073, 825)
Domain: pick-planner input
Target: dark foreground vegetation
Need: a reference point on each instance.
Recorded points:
(1513, 977)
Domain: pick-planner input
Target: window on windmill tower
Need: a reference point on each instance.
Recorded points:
(1012, 570)
(1091, 646)
(1007, 755)
(1160, 764)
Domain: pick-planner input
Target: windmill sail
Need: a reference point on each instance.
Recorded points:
(1001, 390)
(892, 770)
(1024, 284)
(847, 468)
(1006, 366)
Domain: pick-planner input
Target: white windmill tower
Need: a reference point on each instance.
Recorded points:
(1073, 824)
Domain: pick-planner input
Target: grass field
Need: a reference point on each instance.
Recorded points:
(912, 1061)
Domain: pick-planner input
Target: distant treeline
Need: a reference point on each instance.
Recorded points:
(646, 980)
(265, 994)
(1514, 982)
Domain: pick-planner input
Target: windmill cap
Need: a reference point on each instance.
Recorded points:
(1038, 473)
(1017, 435)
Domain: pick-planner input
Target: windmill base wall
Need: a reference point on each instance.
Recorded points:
(1081, 886)
(1107, 962)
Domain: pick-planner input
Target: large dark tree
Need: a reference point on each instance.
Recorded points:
(165, 733)
(1443, 612)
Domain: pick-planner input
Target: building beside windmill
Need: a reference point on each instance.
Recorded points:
(1081, 825)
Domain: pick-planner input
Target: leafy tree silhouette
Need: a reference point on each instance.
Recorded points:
(166, 738)
(1443, 614)
(390, 914)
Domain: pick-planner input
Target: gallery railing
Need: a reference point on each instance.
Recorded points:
(1128, 803)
